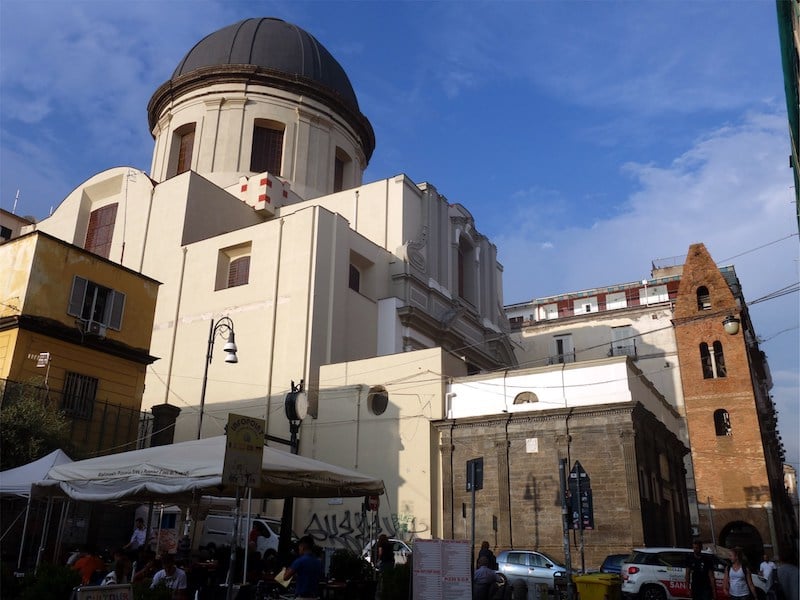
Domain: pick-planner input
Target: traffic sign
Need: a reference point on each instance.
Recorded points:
(475, 474)
(580, 492)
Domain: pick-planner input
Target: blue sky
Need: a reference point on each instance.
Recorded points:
(587, 138)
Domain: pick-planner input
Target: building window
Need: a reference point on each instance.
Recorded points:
(563, 350)
(267, 150)
(722, 422)
(101, 230)
(705, 361)
(5, 232)
(623, 342)
(526, 398)
(96, 305)
(233, 266)
(377, 400)
(703, 298)
(342, 170)
(79, 396)
(466, 270)
(239, 271)
(185, 148)
(354, 279)
(719, 360)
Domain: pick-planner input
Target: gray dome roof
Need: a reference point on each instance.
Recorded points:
(271, 44)
(269, 52)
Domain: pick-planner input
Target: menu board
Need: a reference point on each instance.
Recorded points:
(442, 570)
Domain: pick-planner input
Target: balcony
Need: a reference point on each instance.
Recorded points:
(561, 359)
(627, 348)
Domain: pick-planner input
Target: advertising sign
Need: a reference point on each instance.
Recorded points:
(442, 569)
(104, 592)
(244, 451)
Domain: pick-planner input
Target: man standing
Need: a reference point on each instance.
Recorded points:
(308, 570)
(700, 573)
(138, 539)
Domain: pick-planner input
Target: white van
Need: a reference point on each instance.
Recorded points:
(217, 531)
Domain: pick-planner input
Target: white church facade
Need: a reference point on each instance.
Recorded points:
(255, 209)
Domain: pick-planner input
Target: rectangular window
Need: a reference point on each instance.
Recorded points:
(5, 233)
(239, 271)
(564, 351)
(79, 395)
(101, 230)
(233, 266)
(623, 342)
(267, 151)
(355, 279)
(185, 151)
(93, 303)
(338, 174)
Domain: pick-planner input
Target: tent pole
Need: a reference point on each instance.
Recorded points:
(24, 533)
(60, 535)
(232, 561)
(48, 513)
(250, 525)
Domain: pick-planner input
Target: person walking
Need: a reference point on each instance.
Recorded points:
(700, 574)
(486, 552)
(767, 571)
(307, 569)
(738, 582)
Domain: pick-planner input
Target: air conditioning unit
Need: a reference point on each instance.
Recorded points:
(97, 329)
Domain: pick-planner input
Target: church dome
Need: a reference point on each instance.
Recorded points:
(274, 45)
(268, 52)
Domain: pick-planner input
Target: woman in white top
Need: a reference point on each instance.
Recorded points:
(738, 583)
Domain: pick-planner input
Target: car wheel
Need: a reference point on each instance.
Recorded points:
(653, 592)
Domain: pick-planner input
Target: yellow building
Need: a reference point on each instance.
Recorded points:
(77, 327)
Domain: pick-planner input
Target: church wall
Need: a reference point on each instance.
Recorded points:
(396, 445)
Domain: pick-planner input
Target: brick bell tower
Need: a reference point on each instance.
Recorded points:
(726, 386)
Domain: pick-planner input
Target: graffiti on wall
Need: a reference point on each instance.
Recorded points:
(353, 530)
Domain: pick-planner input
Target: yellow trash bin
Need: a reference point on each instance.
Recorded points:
(598, 586)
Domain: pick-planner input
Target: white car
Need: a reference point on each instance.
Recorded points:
(660, 574)
(401, 551)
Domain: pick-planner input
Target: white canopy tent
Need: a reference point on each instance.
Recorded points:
(20, 481)
(181, 472)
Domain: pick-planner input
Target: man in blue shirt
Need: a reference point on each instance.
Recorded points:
(307, 568)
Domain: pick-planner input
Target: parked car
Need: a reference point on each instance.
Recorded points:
(530, 567)
(613, 563)
(402, 551)
(218, 531)
(660, 574)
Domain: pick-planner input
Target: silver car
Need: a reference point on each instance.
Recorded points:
(530, 567)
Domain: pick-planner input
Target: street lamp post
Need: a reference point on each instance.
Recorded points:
(224, 327)
(296, 407)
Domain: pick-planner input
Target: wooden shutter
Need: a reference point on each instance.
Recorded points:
(77, 296)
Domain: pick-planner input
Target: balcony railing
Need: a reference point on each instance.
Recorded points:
(110, 427)
(559, 359)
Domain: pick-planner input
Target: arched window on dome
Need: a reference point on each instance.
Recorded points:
(267, 150)
(182, 150)
(722, 422)
(342, 170)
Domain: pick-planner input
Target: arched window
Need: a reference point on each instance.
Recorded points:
(722, 422)
(703, 298)
(526, 398)
(719, 360)
(267, 150)
(342, 170)
(705, 361)
(182, 149)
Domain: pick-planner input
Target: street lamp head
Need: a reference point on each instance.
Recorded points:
(731, 325)
(230, 357)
